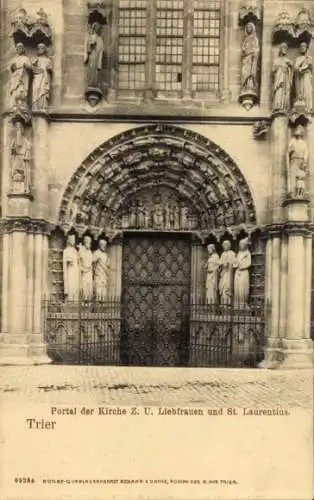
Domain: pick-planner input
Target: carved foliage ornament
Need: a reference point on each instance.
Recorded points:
(293, 31)
(31, 29)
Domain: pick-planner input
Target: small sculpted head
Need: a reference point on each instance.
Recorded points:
(250, 28)
(211, 249)
(41, 49)
(303, 47)
(102, 244)
(226, 245)
(283, 49)
(20, 49)
(243, 244)
(299, 132)
(71, 240)
(87, 242)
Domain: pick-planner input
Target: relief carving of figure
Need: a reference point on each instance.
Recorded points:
(86, 268)
(212, 267)
(226, 263)
(20, 161)
(303, 79)
(20, 68)
(240, 212)
(229, 215)
(94, 56)
(101, 270)
(282, 80)
(71, 270)
(297, 163)
(242, 265)
(158, 215)
(250, 53)
(42, 69)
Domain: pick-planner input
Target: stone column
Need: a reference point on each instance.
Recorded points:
(272, 298)
(278, 149)
(297, 345)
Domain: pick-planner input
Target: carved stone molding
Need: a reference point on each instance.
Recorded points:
(25, 225)
(260, 129)
(294, 31)
(152, 157)
(277, 230)
(31, 30)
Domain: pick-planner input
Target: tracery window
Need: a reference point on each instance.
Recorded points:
(171, 46)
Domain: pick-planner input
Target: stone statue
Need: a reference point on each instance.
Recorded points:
(303, 79)
(86, 268)
(241, 278)
(42, 70)
(226, 262)
(158, 215)
(71, 270)
(229, 215)
(20, 68)
(20, 161)
(93, 56)
(297, 162)
(141, 214)
(239, 212)
(249, 63)
(282, 80)
(212, 267)
(101, 269)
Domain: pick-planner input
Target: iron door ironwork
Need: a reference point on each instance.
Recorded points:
(156, 287)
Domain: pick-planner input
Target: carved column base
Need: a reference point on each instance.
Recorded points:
(297, 354)
(22, 349)
(273, 354)
(14, 349)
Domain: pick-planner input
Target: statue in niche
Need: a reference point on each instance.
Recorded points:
(133, 214)
(212, 267)
(250, 50)
(303, 79)
(242, 265)
(74, 210)
(184, 215)
(141, 214)
(94, 213)
(229, 215)
(158, 215)
(297, 162)
(42, 70)
(93, 59)
(101, 270)
(20, 68)
(282, 80)
(240, 214)
(86, 268)
(20, 161)
(71, 270)
(220, 216)
(226, 263)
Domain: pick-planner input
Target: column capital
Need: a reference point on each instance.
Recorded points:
(25, 225)
(293, 228)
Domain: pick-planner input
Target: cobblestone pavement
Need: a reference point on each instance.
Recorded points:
(157, 386)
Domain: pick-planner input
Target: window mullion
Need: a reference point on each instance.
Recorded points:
(187, 50)
(151, 47)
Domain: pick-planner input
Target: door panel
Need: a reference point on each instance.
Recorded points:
(156, 284)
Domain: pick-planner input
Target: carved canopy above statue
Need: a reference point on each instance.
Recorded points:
(157, 177)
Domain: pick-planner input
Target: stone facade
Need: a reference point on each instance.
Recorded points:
(90, 119)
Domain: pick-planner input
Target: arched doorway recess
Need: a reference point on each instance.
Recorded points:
(156, 188)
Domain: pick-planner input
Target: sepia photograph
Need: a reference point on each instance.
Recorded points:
(156, 247)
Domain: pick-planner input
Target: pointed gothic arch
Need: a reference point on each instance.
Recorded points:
(147, 160)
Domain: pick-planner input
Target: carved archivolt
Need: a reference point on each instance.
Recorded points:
(181, 169)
